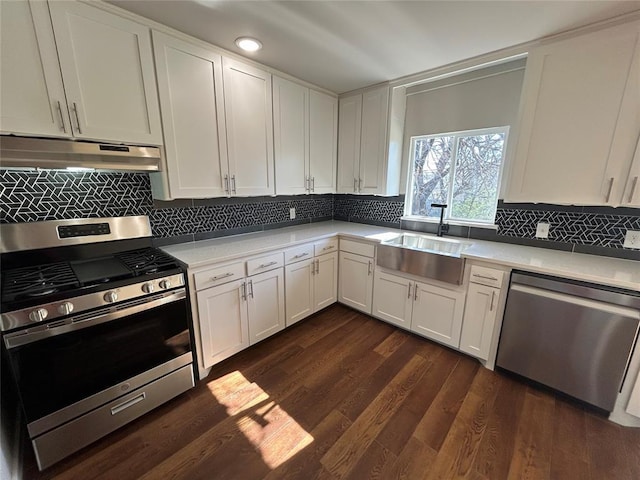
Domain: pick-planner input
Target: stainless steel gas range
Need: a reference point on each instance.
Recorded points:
(95, 327)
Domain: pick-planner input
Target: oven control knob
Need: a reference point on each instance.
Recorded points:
(38, 315)
(147, 287)
(65, 308)
(164, 284)
(110, 297)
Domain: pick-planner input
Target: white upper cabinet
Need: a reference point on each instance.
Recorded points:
(249, 124)
(192, 106)
(32, 97)
(108, 74)
(370, 130)
(305, 136)
(580, 121)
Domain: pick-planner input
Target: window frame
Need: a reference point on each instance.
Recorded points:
(408, 205)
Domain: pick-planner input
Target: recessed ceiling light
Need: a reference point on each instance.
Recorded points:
(248, 44)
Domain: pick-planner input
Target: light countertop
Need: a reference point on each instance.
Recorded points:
(591, 268)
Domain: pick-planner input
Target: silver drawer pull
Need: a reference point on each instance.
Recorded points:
(633, 188)
(129, 403)
(485, 277)
(493, 296)
(330, 247)
(64, 129)
(301, 255)
(609, 190)
(265, 265)
(220, 277)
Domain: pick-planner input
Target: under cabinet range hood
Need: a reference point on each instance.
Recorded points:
(27, 152)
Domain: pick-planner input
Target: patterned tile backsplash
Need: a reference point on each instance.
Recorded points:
(27, 196)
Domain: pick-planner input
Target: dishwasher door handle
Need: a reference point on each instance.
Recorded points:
(580, 301)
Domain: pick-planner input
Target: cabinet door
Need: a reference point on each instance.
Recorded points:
(480, 314)
(32, 97)
(249, 121)
(323, 138)
(224, 328)
(325, 281)
(298, 290)
(349, 123)
(375, 106)
(356, 281)
(290, 136)
(107, 68)
(437, 313)
(574, 102)
(266, 304)
(393, 299)
(192, 105)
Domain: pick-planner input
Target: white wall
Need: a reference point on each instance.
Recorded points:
(480, 99)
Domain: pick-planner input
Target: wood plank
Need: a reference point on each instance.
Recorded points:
(570, 430)
(532, 449)
(375, 463)
(414, 462)
(631, 440)
(349, 448)
(436, 422)
(606, 449)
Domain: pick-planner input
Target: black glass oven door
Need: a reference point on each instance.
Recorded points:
(58, 366)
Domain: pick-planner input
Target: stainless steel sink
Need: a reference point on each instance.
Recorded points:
(428, 257)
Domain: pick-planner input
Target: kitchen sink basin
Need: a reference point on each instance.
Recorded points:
(428, 257)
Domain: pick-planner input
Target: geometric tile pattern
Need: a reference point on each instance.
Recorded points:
(569, 227)
(368, 210)
(171, 222)
(29, 196)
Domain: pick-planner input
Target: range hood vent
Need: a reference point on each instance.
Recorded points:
(24, 152)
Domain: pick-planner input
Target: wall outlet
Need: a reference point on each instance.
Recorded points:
(542, 230)
(632, 239)
(292, 213)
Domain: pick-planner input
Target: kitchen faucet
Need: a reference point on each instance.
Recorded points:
(442, 227)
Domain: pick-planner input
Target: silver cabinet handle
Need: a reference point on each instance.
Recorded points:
(318, 267)
(307, 184)
(251, 288)
(355, 184)
(493, 296)
(265, 265)
(243, 290)
(75, 111)
(609, 191)
(330, 247)
(129, 403)
(486, 277)
(300, 255)
(313, 184)
(220, 277)
(64, 129)
(359, 184)
(409, 292)
(226, 183)
(415, 292)
(634, 183)
(233, 183)
(369, 268)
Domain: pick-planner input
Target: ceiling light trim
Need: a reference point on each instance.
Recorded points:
(248, 44)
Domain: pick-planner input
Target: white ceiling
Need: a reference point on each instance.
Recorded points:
(344, 45)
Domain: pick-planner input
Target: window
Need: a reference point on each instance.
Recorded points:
(461, 170)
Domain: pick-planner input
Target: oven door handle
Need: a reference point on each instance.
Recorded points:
(79, 322)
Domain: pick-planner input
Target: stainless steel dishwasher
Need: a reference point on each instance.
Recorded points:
(574, 337)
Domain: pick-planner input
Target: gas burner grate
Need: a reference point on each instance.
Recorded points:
(38, 281)
(147, 260)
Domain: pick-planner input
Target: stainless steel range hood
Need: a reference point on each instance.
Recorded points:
(26, 152)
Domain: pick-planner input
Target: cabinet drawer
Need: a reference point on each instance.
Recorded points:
(358, 248)
(486, 276)
(296, 254)
(264, 264)
(219, 275)
(327, 245)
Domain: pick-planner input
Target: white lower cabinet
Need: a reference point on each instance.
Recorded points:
(356, 281)
(223, 320)
(428, 310)
(265, 304)
(481, 314)
(310, 285)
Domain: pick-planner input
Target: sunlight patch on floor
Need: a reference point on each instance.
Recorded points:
(264, 423)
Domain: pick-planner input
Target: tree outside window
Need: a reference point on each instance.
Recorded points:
(461, 170)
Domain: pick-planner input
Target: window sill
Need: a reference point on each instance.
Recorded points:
(450, 222)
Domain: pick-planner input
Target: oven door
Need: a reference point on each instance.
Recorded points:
(68, 367)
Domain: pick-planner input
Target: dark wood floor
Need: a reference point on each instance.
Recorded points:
(342, 395)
